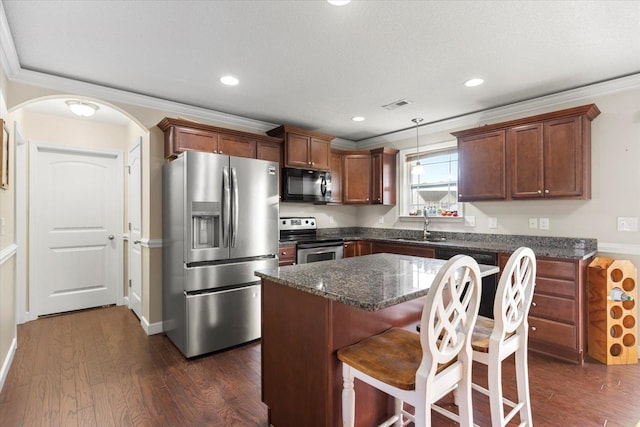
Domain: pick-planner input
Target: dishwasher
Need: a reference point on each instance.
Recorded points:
(489, 283)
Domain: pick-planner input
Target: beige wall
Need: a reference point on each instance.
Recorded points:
(7, 245)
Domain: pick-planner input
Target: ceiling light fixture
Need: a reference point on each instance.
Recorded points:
(82, 108)
(229, 80)
(338, 2)
(357, 119)
(417, 168)
(473, 82)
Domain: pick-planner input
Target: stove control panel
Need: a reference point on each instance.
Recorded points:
(297, 223)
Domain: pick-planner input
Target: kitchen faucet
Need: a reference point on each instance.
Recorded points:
(425, 230)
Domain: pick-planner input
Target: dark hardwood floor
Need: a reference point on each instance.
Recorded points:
(98, 367)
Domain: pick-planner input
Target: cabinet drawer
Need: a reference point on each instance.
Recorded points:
(556, 269)
(549, 331)
(562, 288)
(287, 255)
(553, 308)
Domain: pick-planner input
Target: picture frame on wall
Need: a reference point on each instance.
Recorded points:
(4, 156)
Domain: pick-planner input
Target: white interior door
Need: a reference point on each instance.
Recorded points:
(76, 205)
(135, 228)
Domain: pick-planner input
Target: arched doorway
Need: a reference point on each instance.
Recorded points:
(48, 122)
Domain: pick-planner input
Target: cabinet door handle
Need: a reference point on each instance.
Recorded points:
(533, 328)
(539, 191)
(284, 253)
(546, 191)
(533, 303)
(220, 151)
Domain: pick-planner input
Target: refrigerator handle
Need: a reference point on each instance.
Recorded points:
(234, 208)
(226, 207)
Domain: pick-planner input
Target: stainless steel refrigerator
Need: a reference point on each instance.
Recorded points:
(220, 224)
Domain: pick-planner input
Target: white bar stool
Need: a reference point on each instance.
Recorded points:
(495, 340)
(422, 368)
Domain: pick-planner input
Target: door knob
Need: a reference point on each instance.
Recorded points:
(135, 242)
(111, 237)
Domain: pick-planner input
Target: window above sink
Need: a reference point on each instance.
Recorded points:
(435, 188)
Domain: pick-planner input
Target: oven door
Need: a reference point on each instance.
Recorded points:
(312, 252)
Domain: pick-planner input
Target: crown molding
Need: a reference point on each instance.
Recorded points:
(522, 108)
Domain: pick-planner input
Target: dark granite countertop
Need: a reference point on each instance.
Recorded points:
(542, 246)
(370, 282)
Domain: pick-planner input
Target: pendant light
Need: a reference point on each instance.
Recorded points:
(417, 168)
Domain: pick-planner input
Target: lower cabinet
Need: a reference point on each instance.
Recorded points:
(403, 249)
(356, 248)
(287, 255)
(558, 314)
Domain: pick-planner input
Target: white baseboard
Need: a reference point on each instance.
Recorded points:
(151, 328)
(6, 365)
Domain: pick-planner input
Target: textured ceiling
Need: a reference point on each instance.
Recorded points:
(313, 65)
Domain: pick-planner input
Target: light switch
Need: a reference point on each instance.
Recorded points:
(493, 222)
(533, 222)
(627, 223)
(470, 221)
(381, 220)
(544, 223)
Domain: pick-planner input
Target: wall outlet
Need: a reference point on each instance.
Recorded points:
(533, 222)
(470, 221)
(627, 223)
(381, 219)
(493, 222)
(331, 220)
(544, 223)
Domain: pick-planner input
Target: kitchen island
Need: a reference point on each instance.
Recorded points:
(309, 311)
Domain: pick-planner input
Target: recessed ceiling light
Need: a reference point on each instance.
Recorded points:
(229, 80)
(338, 2)
(357, 118)
(473, 82)
(81, 108)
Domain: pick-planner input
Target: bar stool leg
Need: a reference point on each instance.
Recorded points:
(522, 379)
(348, 397)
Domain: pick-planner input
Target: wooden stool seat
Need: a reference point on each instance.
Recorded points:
(420, 369)
(482, 333)
(392, 357)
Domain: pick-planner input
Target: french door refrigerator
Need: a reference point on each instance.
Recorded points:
(220, 224)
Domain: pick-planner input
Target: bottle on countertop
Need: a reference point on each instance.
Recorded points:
(618, 294)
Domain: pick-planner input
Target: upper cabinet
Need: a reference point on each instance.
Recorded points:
(383, 176)
(183, 135)
(335, 167)
(356, 174)
(369, 177)
(544, 156)
(482, 166)
(304, 149)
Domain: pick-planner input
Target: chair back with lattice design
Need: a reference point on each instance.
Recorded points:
(449, 314)
(514, 294)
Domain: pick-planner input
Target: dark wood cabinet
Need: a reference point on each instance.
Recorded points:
(548, 155)
(304, 149)
(356, 178)
(482, 167)
(335, 167)
(369, 177)
(286, 255)
(357, 248)
(403, 249)
(383, 176)
(183, 135)
(558, 316)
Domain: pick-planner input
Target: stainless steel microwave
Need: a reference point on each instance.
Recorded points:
(303, 185)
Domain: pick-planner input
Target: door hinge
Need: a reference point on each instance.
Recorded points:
(129, 226)
(129, 282)
(129, 169)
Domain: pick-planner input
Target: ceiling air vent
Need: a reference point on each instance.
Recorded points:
(397, 104)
